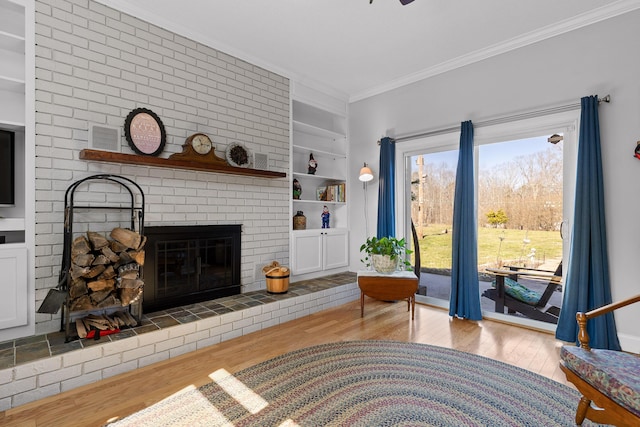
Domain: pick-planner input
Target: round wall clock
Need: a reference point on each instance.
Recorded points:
(200, 143)
(145, 132)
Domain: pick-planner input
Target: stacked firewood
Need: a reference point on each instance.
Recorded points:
(104, 324)
(106, 272)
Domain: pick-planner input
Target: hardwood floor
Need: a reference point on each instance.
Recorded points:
(95, 404)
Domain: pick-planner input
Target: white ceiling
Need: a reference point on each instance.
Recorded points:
(355, 49)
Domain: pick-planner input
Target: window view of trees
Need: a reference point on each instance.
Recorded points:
(519, 200)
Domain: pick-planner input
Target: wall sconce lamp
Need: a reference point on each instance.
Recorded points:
(366, 174)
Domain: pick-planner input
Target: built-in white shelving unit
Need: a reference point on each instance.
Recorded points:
(322, 134)
(17, 111)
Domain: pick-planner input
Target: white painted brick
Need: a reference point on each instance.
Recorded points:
(137, 353)
(154, 358)
(241, 324)
(119, 369)
(181, 330)
(103, 362)
(59, 375)
(153, 337)
(120, 346)
(209, 341)
(33, 395)
(6, 375)
(220, 330)
(231, 335)
(17, 387)
(81, 356)
(174, 352)
(172, 343)
(5, 404)
(230, 317)
(34, 368)
(80, 381)
(252, 328)
(195, 337)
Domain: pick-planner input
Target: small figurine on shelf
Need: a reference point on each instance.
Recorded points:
(313, 165)
(325, 217)
(297, 189)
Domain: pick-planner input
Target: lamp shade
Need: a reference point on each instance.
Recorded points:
(365, 174)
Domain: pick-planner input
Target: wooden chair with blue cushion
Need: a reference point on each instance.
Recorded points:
(609, 379)
(516, 297)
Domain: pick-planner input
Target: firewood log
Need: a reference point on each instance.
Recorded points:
(138, 256)
(131, 320)
(129, 238)
(101, 260)
(82, 331)
(131, 283)
(108, 273)
(101, 284)
(80, 245)
(94, 271)
(111, 255)
(116, 246)
(77, 271)
(125, 258)
(143, 242)
(110, 301)
(78, 288)
(99, 296)
(130, 295)
(97, 240)
(122, 318)
(82, 260)
(82, 303)
(96, 324)
(129, 274)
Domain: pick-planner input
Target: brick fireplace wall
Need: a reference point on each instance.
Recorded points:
(93, 66)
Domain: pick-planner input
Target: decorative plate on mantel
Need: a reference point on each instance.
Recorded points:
(238, 155)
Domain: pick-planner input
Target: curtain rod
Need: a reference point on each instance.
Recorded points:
(499, 120)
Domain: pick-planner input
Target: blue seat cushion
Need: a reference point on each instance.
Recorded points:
(520, 292)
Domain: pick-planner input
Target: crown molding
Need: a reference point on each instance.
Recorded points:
(614, 9)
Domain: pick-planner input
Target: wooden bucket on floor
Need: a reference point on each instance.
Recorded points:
(277, 278)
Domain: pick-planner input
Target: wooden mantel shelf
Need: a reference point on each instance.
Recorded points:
(134, 159)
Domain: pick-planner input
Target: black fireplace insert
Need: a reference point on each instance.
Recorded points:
(190, 264)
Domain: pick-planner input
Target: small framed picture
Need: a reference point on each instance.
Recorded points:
(145, 132)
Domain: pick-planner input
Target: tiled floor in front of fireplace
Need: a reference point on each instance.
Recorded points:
(29, 349)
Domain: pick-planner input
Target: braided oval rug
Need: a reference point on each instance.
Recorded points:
(369, 383)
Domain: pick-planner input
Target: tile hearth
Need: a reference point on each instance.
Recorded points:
(30, 349)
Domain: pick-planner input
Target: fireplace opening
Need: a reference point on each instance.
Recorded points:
(190, 264)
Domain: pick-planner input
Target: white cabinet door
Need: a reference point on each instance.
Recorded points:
(13, 287)
(336, 249)
(307, 251)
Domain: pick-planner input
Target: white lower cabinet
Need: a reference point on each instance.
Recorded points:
(14, 306)
(319, 250)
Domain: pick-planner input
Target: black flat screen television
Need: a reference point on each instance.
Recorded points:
(7, 168)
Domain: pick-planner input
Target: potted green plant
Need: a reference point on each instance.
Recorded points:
(385, 253)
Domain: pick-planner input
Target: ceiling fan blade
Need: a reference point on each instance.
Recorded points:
(405, 2)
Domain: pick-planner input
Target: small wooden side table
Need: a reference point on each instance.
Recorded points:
(388, 287)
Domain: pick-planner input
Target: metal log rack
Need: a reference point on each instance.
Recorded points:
(135, 221)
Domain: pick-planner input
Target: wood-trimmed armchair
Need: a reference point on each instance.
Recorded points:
(609, 379)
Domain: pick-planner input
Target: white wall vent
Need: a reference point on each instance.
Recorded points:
(104, 138)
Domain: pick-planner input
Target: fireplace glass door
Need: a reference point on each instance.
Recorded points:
(190, 266)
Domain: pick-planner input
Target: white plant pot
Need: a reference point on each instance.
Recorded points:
(384, 263)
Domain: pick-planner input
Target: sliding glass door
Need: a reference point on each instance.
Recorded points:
(525, 178)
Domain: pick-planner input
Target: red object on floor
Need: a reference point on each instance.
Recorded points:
(92, 333)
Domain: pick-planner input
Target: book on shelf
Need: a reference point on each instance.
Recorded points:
(332, 193)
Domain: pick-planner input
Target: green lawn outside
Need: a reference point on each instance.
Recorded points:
(496, 247)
